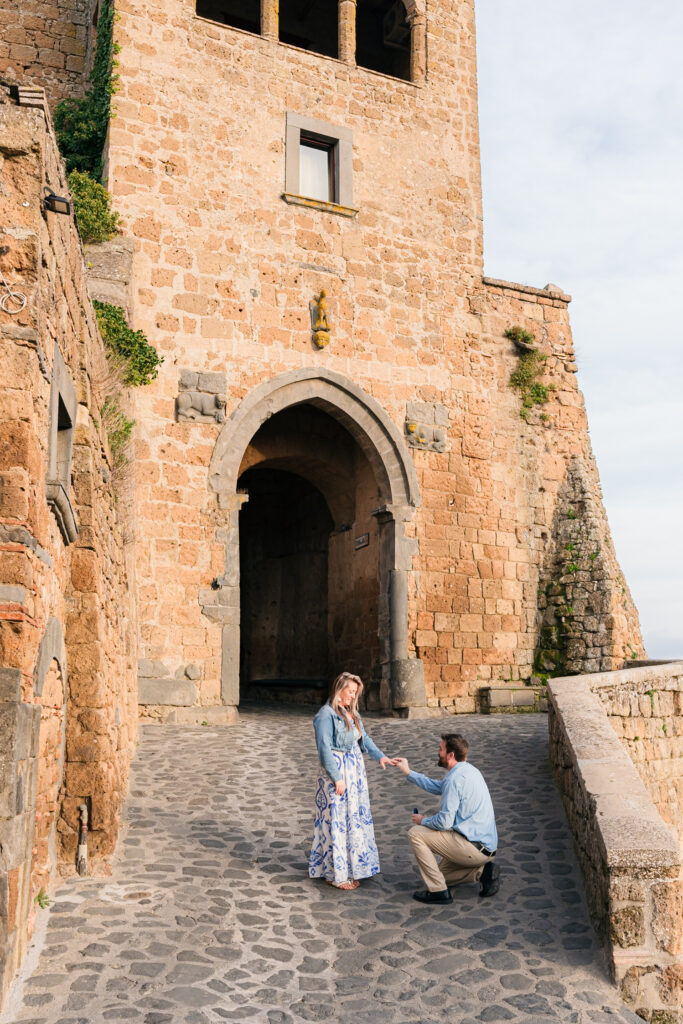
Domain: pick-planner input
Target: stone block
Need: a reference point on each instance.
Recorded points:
(627, 927)
(14, 834)
(176, 692)
(18, 730)
(10, 685)
(218, 715)
(407, 683)
(214, 383)
(151, 669)
(189, 380)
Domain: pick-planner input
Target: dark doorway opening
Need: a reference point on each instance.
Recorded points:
(284, 534)
(309, 560)
(310, 24)
(383, 37)
(244, 14)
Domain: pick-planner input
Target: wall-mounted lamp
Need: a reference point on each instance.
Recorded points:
(55, 203)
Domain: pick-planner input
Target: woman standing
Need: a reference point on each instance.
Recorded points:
(344, 848)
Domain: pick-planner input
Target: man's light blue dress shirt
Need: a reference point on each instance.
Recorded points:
(466, 805)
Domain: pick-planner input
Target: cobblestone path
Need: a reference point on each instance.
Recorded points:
(209, 916)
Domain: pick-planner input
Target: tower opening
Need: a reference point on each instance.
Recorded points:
(244, 14)
(383, 37)
(310, 24)
(309, 559)
(285, 528)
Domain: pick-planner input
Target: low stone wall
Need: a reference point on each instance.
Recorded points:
(616, 741)
(68, 696)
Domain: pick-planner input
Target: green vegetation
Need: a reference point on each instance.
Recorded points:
(119, 431)
(82, 124)
(139, 360)
(571, 514)
(42, 899)
(137, 363)
(92, 205)
(519, 336)
(527, 377)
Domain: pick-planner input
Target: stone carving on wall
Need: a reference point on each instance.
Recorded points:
(425, 426)
(320, 320)
(201, 397)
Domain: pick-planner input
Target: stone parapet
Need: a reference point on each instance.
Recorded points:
(619, 797)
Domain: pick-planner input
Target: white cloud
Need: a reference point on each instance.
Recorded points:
(581, 105)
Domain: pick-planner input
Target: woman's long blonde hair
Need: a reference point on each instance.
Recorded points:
(351, 716)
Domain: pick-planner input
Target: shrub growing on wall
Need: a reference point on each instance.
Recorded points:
(139, 361)
(95, 218)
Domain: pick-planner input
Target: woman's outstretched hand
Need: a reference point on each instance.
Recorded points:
(340, 787)
(384, 761)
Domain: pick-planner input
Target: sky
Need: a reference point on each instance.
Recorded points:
(581, 120)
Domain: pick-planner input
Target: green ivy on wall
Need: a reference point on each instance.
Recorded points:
(81, 124)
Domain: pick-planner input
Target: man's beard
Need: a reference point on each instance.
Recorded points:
(441, 763)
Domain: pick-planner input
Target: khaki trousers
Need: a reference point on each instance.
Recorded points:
(460, 861)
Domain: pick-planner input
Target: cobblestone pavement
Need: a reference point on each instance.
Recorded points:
(209, 915)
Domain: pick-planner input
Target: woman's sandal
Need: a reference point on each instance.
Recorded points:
(346, 886)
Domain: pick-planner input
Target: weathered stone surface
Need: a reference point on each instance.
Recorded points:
(180, 692)
(616, 750)
(56, 479)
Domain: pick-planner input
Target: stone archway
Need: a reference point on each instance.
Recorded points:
(382, 445)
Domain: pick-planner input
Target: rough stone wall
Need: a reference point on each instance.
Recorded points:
(224, 274)
(587, 619)
(645, 709)
(603, 728)
(65, 585)
(46, 44)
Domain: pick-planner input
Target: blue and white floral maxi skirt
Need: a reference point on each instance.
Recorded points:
(344, 845)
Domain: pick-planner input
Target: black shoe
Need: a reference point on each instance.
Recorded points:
(490, 880)
(425, 896)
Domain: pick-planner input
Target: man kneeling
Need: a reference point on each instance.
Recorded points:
(463, 832)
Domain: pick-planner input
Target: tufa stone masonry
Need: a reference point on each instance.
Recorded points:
(332, 470)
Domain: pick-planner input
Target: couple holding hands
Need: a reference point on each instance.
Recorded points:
(462, 833)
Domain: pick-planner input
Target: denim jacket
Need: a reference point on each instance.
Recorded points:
(331, 734)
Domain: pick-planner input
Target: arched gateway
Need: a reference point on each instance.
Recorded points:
(317, 447)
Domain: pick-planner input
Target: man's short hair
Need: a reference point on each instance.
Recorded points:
(456, 744)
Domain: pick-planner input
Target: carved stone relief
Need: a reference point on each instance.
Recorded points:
(201, 397)
(425, 426)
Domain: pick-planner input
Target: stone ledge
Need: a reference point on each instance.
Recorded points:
(628, 854)
(551, 291)
(59, 501)
(222, 714)
(318, 204)
(506, 699)
(173, 692)
(669, 672)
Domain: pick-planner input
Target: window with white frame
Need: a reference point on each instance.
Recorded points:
(318, 161)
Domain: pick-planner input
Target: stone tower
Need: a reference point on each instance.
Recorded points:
(365, 495)
(332, 469)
